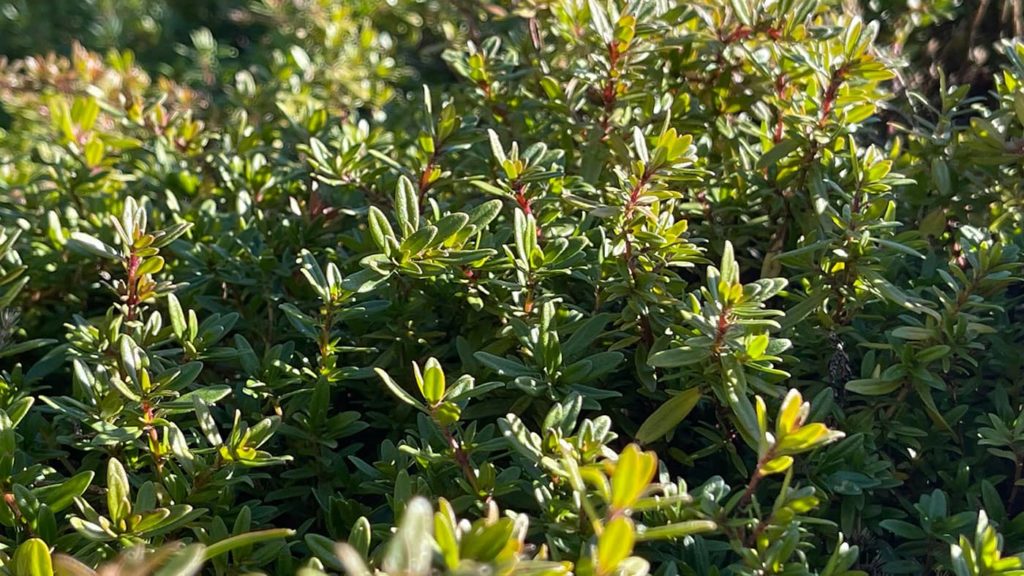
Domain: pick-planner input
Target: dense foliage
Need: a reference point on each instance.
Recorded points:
(681, 288)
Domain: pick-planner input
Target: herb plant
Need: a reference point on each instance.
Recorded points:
(602, 288)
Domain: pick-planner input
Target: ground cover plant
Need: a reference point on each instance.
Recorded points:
(603, 288)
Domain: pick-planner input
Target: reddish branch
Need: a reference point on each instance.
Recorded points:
(646, 332)
(133, 284)
(609, 94)
(461, 457)
(756, 478)
(828, 100)
(831, 92)
(524, 203)
(634, 198)
(425, 182)
(722, 329)
(154, 438)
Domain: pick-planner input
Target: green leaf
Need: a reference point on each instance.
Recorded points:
(315, 275)
(61, 495)
(381, 231)
(130, 358)
(933, 353)
(151, 265)
(873, 386)
(18, 409)
(92, 245)
(484, 214)
(208, 394)
(248, 539)
(676, 530)
(484, 541)
(445, 536)
(177, 316)
(301, 322)
(206, 421)
(21, 347)
(912, 333)
(640, 144)
(777, 152)
(180, 515)
(901, 248)
(433, 387)
(742, 409)
(407, 207)
(448, 413)
(584, 335)
(32, 558)
(1018, 106)
(181, 377)
(497, 150)
(91, 530)
(677, 357)
(360, 536)
(925, 393)
(119, 505)
(668, 416)
(934, 223)
(729, 271)
(940, 176)
(149, 520)
(418, 241)
(599, 19)
(323, 548)
(170, 234)
(503, 366)
(398, 391)
(491, 189)
(387, 160)
(12, 290)
(449, 226)
(903, 529)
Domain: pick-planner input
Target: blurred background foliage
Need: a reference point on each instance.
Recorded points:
(960, 36)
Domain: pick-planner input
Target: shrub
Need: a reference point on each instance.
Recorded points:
(682, 289)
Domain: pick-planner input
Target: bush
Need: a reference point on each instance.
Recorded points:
(649, 288)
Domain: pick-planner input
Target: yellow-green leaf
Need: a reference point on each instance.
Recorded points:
(444, 536)
(633, 472)
(119, 506)
(807, 438)
(246, 539)
(789, 414)
(433, 387)
(32, 558)
(615, 544)
(151, 265)
(777, 465)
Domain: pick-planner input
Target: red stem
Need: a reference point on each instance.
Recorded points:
(609, 93)
(133, 284)
(634, 197)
